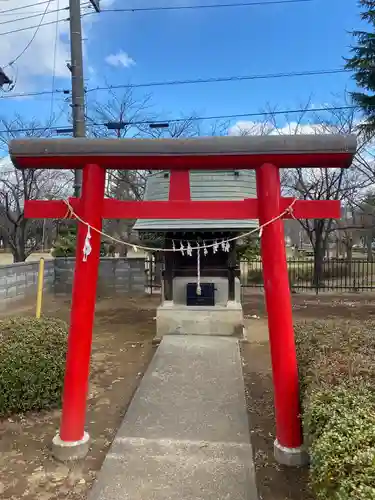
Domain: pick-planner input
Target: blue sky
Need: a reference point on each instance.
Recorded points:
(189, 44)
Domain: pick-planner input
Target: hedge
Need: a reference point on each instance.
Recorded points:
(32, 361)
(337, 374)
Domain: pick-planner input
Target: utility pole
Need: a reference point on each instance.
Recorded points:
(78, 87)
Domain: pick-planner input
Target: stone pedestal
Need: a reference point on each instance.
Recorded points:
(225, 318)
(178, 319)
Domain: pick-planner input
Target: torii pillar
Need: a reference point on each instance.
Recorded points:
(267, 155)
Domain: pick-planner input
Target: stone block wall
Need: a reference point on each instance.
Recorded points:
(18, 281)
(119, 275)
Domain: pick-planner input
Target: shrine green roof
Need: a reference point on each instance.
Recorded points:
(204, 186)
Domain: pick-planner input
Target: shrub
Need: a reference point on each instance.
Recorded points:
(249, 250)
(340, 424)
(32, 361)
(337, 376)
(255, 276)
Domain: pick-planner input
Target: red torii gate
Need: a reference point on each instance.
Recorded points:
(264, 154)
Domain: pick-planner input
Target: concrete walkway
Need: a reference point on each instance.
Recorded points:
(185, 435)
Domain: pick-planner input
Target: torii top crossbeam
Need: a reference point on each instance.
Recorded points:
(216, 153)
(180, 156)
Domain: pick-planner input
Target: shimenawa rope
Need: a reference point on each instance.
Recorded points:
(71, 214)
(225, 244)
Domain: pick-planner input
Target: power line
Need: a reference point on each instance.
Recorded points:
(179, 7)
(31, 16)
(204, 6)
(220, 79)
(32, 38)
(243, 115)
(35, 4)
(10, 14)
(36, 26)
(196, 118)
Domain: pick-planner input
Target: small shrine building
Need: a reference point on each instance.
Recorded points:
(201, 294)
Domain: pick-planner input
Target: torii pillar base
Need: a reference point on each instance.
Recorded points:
(291, 457)
(65, 451)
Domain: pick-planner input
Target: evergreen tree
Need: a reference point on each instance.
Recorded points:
(65, 244)
(363, 64)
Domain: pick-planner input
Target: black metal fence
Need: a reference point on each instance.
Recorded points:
(153, 270)
(334, 275)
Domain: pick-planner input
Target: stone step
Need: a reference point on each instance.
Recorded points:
(185, 435)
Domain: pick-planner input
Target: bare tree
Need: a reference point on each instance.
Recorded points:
(18, 127)
(125, 116)
(126, 110)
(365, 213)
(26, 235)
(119, 117)
(22, 235)
(346, 185)
(330, 184)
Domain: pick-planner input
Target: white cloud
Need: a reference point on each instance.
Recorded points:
(6, 164)
(120, 59)
(259, 128)
(38, 59)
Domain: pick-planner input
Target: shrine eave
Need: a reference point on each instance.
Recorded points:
(218, 153)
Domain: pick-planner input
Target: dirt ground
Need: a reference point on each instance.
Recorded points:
(276, 482)
(122, 350)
